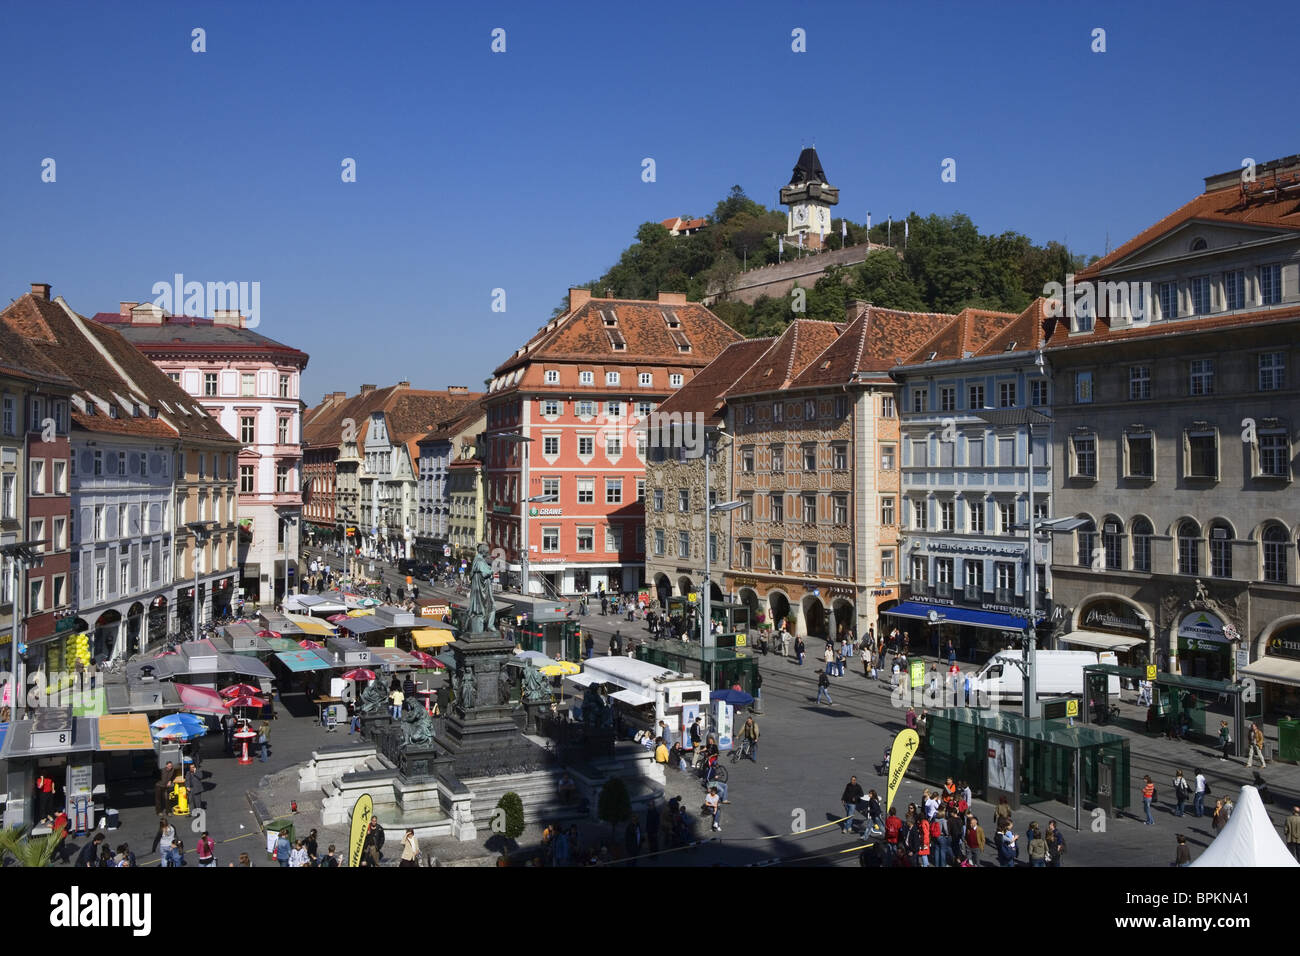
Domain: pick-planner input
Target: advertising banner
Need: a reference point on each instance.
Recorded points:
(900, 755)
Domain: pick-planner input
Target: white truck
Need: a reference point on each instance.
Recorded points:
(1058, 674)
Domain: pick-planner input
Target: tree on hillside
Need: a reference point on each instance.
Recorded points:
(883, 281)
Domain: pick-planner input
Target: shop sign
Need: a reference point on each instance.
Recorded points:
(1004, 608)
(1202, 625)
(1200, 644)
(981, 549)
(1284, 643)
(545, 512)
(1112, 617)
(884, 592)
(744, 582)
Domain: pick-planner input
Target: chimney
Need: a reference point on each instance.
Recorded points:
(578, 298)
(367, 389)
(149, 314)
(41, 290)
(339, 396)
(228, 317)
(124, 309)
(854, 308)
(672, 298)
(457, 389)
(403, 384)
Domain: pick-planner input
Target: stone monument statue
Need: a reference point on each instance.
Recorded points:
(595, 713)
(481, 603)
(535, 689)
(374, 699)
(417, 725)
(468, 689)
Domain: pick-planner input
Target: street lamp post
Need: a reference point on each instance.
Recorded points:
(24, 554)
(201, 531)
(706, 602)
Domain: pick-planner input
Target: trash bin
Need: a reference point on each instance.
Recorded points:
(111, 819)
(275, 826)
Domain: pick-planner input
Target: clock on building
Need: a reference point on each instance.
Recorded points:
(800, 215)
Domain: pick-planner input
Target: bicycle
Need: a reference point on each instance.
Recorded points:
(737, 753)
(713, 770)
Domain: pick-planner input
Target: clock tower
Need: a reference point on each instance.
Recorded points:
(809, 199)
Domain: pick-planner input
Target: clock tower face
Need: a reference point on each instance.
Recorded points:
(800, 215)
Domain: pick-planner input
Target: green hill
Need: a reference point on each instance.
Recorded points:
(947, 265)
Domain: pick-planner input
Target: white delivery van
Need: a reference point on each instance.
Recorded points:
(644, 693)
(1058, 673)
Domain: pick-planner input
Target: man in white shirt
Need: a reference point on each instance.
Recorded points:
(1198, 798)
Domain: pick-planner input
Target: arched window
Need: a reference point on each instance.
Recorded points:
(1189, 548)
(1086, 537)
(1142, 532)
(1221, 536)
(1198, 244)
(1275, 557)
(1112, 534)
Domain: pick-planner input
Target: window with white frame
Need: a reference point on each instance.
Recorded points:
(246, 479)
(613, 491)
(586, 446)
(1234, 289)
(586, 539)
(550, 445)
(809, 452)
(586, 491)
(840, 509)
(842, 561)
(586, 409)
(1006, 517)
(659, 540)
(1221, 536)
(888, 407)
(1200, 377)
(1139, 382)
(550, 408)
(943, 577)
(1272, 371)
(1142, 532)
(613, 446)
(1189, 548)
(675, 380)
(1276, 563)
(1169, 300)
(947, 398)
(1274, 446)
(37, 486)
(1270, 284)
(1111, 543)
(1200, 289)
(611, 378)
(776, 505)
(947, 515)
(1004, 575)
(613, 539)
(747, 460)
(1083, 454)
(920, 398)
(1038, 392)
(1006, 394)
(919, 514)
(551, 488)
(887, 456)
(887, 511)
(974, 574)
(683, 544)
(552, 376)
(918, 572)
(247, 384)
(586, 378)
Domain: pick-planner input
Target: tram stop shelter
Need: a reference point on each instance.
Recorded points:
(1030, 761)
(1188, 707)
(719, 667)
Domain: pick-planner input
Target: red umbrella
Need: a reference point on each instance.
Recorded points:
(359, 673)
(268, 634)
(428, 660)
(245, 702)
(335, 618)
(240, 690)
(307, 645)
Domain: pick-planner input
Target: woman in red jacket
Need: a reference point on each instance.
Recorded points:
(923, 854)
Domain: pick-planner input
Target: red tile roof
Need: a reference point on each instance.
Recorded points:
(100, 361)
(963, 336)
(792, 352)
(1248, 205)
(409, 413)
(875, 341)
(1059, 337)
(703, 394)
(582, 336)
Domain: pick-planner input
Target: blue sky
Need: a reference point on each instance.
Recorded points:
(522, 170)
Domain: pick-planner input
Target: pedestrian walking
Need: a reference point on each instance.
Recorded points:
(1220, 818)
(799, 649)
(867, 649)
(1182, 855)
(975, 839)
(1225, 739)
(1256, 736)
(283, 849)
(1181, 791)
(410, 850)
(194, 785)
(1148, 795)
(1037, 846)
(852, 794)
(1201, 792)
(824, 688)
(207, 851)
(829, 658)
(263, 740)
(1291, 832)
(1008, 847)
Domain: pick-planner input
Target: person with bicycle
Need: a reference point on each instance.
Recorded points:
(749, 740)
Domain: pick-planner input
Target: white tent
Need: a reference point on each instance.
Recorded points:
(1248, 839)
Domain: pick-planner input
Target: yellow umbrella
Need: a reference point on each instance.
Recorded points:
(561, 669)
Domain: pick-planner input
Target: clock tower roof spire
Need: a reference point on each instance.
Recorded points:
(808, 168)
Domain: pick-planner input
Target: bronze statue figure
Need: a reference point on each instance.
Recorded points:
(467, 689)
(535, 689)
(481, 603)
(374, 699)
(417, 725)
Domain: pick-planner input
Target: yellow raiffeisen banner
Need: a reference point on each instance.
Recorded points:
(362, 813)
(900, 756)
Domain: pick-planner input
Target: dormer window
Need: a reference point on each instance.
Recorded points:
(671, 318)
(609, 317)
(586, 378)
(616, 340)
(645, 379)
(611, 378)
(552, 376)
(933, 356)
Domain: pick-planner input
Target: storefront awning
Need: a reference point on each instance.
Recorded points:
(125, 732)
(362, 625)
(312, 625)
(1100, 640)
(959, 615)
(1276, 670)
(431, 637)
(300, 660)
(633, 697)
(581, 680)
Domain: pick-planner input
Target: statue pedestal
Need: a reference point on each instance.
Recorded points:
(532, 715)
(483, 738)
